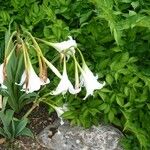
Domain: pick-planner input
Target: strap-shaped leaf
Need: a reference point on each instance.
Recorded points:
(2, 132)
(21, 125)
(26, 132)
(8, 117)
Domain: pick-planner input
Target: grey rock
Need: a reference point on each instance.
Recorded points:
(65, 137)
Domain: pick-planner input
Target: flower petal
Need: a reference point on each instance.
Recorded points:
(65, 45)
(72, 90)
(45, 82)
(64, 84)
(60, 111)
(89, 81)
(34, 82)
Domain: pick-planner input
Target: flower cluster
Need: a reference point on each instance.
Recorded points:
(31, 82)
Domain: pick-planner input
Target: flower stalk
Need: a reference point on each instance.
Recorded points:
(35, 104)
(38, 50)
(88, 80)
(9, 43)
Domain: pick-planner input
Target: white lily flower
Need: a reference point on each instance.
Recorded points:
(65, 84)
(30, 81)
(65, 45)
(89, 81)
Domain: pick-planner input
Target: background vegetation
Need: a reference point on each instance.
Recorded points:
(114, 36)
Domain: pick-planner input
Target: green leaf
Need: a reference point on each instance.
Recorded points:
(26, 132)
(103, 106)
(120, 101)
(93, 111)
(7, 132)
(105, 90)
(132, 60)
(115, 66)
(113, 97)
(69, 115)
(126, 91)
(148, 105)
(36, 8)
(125, 57)
(133, 80)
(135, 4)
(21, 125)
(2, 132)
(107, 109)
(84, 17)
(116, 76)
(117, 36)
(6, 121)
(111, 116)
(86, 113)
(102, 95)
(109, 79)
(7, 117)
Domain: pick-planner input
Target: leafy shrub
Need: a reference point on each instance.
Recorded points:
(114, 37)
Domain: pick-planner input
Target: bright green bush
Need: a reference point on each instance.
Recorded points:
(114, 37)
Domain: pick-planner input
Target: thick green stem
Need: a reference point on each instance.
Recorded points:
(36, 104)
(49, 104)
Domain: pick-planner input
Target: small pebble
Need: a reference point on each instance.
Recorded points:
(77, 141)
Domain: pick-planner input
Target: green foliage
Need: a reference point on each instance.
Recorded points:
(12, 127)
(83, 113)
(17, 99)
(114, 36)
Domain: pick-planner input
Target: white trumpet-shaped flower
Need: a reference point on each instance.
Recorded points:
(89, 81)
(30, 80)
(60, 111)
(65, 84)
(68, 45)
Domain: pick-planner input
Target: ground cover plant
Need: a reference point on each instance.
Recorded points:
(113, 37)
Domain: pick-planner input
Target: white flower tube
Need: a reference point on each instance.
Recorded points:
(60, 111)
(65, 45)
(30, 81)
(52, 67)
(1, 73)
(89, 81)
(65, 84)
(2, 76)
